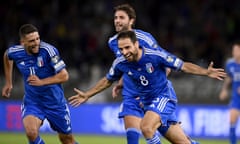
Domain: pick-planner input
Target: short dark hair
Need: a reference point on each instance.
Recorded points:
(26, 29)
(128, 9)
(127, 34)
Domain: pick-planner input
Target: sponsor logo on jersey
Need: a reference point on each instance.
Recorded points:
(149, 68)
(22, 63)
(130, 73)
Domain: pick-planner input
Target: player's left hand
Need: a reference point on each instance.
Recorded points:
(217, 73)
(77, 99)
(34, 80)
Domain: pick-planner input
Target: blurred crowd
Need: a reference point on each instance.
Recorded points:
(199, 31)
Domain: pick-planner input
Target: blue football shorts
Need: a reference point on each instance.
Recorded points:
(131, 107)
(235, 103)
(164, 107)
(59, 118)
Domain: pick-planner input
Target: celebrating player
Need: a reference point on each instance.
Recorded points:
(43, 73)
(146, 68)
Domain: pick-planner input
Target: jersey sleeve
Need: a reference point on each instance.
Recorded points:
(170, 60)
(55, 60)
(114, 72)
(12, 52)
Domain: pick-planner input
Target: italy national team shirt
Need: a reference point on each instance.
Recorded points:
(44, 64)
(233, 71)
(145, 40)
(148, 74)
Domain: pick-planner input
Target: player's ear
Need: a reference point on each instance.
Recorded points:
(131, 22)
(136, 44)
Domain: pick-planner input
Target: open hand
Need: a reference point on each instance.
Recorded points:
(77, 99)
(217, 73)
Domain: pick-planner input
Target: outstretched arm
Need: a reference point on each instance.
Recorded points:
(211, 72)
(82, 97)
(8, 66)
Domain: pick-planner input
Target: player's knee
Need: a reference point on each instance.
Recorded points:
(147, 131)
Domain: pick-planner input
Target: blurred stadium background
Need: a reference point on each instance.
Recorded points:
(198, 31)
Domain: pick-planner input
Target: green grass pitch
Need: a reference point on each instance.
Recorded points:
(20, 138)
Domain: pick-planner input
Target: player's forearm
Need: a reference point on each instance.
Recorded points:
(8, 66)
(99, 87)
(226, 83)
(60, 77)
(193, 69)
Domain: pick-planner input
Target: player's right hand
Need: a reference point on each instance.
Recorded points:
(116, 91)
(223, 95)
(6, 91)
(77, 99)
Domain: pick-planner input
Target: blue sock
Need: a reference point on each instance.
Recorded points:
(232, 135)
(38, 140)
(154, 140)
(133, 135)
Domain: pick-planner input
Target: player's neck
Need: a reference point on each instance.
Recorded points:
(140, 52)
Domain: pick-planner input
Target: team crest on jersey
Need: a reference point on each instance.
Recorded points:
(40, 62)
(149, 68)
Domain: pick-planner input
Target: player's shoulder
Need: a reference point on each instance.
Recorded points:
(15, 48)
(230, 61)
(112, 38)
(156, 52)
(119, 60)
(50, 49)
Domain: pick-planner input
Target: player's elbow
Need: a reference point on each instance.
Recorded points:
(64, 75)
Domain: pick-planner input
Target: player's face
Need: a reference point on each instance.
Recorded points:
(122, 21)
(129, 49)
(31, 42)
(236, 52)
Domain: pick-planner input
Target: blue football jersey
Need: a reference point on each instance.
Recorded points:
(145, 40)
(148, 75)
(44, 64)
(233, 71)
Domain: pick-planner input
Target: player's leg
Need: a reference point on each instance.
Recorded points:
(66, 138)
(149, 125)
(32, 125)
(132, 113)
(132, 126)
(32, 120)
(59, 120)
(176, 135)
(234, 113)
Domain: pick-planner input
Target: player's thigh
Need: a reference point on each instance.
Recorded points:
(131, 121)
(176, 135)
(32, 123)
(234, 113)
(151, 120)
